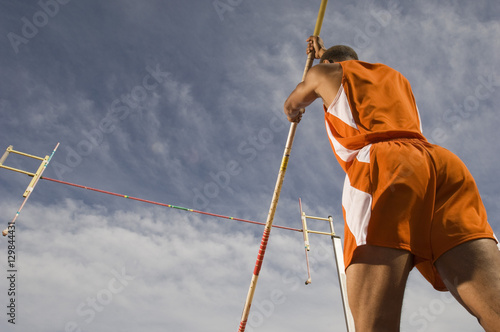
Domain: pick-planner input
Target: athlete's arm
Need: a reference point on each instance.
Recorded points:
(303, 95)
(322, 81)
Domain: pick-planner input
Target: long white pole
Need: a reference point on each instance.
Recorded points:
(277, 190)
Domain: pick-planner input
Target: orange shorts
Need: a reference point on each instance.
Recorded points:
(412, 195)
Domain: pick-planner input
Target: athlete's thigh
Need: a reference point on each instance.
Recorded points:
(376, 280)
(471, 272)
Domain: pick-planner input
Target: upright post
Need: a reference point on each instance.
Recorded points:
(339, 260)
(307, 246)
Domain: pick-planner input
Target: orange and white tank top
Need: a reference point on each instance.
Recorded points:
(374, 103)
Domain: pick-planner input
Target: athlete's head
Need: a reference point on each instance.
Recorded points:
(339, 53)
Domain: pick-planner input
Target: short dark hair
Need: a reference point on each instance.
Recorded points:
(339, 53)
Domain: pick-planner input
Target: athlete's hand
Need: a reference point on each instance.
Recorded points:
(315, 45)
(294, 116)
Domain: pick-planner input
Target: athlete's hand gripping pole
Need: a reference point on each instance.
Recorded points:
(277, 190)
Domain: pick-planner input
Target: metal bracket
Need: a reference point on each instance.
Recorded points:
(36, 176)
(339, 261)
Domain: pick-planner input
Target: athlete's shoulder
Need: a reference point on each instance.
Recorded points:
(363, 64)
(325, 69)
(360, 67)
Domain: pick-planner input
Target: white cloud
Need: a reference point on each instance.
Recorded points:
(225, 88)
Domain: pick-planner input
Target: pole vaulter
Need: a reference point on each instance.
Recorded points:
(277, 190)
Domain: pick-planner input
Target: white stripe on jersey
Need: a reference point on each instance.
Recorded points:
(358, 209)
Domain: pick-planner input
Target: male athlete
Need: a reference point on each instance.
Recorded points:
(406, 202)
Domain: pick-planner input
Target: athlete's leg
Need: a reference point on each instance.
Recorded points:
(376, 280)
(471, 272)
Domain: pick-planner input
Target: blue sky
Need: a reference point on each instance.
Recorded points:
(181, 102)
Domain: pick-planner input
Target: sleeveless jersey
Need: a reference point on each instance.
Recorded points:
(374, 103)
(400, 191)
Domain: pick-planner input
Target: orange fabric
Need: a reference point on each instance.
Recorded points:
(379, 100)
(400, 191)
(424, 201)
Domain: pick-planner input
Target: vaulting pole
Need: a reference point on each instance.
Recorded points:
(277, 190)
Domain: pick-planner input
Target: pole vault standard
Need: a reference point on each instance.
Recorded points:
(36, 176)
(339, 261)
(277, 190)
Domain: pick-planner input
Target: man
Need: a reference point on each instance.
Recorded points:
(406, 202)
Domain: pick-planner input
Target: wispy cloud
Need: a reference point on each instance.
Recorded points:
(169, 102)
